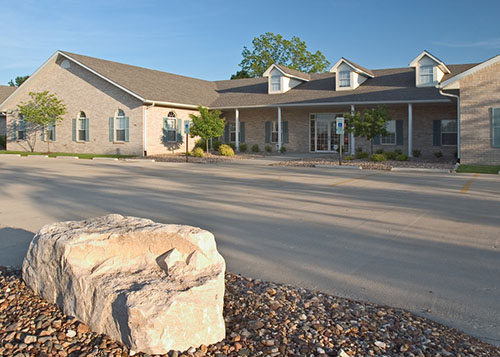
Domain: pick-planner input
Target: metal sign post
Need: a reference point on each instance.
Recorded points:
(186, 130)
(340, 131)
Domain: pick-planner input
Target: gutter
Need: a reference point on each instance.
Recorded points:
(171, 104)
(457, 97)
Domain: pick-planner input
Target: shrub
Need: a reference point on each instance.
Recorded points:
(283, 149)
(379, 151)
(216, 144)
(243, 147)
(255, 148)
(361, 155)
(268, 148)
(402, 157)
(359, 149)
(201, 144)
(348, 158)
(198, 152)
(438, 154)
(3, 141)
(377, 157)
(232, 146)
(416, 152)
(391, 155)
(226, 150)
(398, 151)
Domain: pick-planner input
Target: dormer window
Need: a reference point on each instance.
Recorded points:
(344, 79)
(275, 83)
(426, 75)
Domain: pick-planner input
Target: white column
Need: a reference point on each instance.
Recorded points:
(279, 128)
(237, 128)
(410, 130)
(353, 141)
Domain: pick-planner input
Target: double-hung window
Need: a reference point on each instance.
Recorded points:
(21, 129)
(449, 132)
(426, 74)
(344, 79)
(390, 138)
(275, 83)
(82, 127)
(120, 126)
(274, 131)
(495, 127)
(171, 129)
(232, 132)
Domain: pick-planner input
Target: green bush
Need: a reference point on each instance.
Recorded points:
(359, 149)
(201, 144)
(216, 144)
(377, 157)
(283, 149)
(379, 151)
(3, 141)
(348, 158)
(268, 148)
(391, 155)
(438, 154)
(232, 145)
(361, 155)
(402, 157)
(226, 150)
(198, 152)
(416, 152)
(255, 148)
(398, 151)
(243, 147)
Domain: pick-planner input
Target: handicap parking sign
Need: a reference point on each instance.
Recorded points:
(186, 127)
(340, 126)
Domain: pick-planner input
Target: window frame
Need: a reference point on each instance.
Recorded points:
(493, 126)
(49, 132)
(342, 80)
(274, 131)
(275, 80)
(232, 132)
(426, 75)
(80, 119)
(448, 132)
(119, 117)
(171, 129)
(391, 134)
(21, 123)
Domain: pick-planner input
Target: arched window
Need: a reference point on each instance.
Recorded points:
(83, 127)
(170, 127)
(120, 125)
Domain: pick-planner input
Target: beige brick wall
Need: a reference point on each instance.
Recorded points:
(478, 93)
(81, 90)
(154, 131)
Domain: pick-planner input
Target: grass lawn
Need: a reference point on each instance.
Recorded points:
(480, 169)
(54, 154)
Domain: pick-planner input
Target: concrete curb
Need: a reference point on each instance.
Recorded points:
(67, 157)
(417, 169)
(42, 156)
(105, 158)
(140, 160)
(339, 167)
(7, 155)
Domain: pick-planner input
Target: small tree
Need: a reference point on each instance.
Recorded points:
(43, 109)
(18, 81)
(369, 124)
(207, 125)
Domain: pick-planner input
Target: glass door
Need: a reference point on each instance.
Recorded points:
(322, 135)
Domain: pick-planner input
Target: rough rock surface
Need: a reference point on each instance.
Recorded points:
(152, 286)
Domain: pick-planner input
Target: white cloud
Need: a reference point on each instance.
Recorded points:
(491, 43)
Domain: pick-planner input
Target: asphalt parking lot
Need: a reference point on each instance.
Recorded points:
(426, 242)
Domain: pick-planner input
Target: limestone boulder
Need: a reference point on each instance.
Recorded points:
(155, 287)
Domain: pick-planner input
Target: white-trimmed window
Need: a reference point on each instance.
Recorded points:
(51, 135)
(82, 127)
(390, 138)
(232, 132)
(275, 83)
(171, 127)
(449, 132)
(120, 126)
(21, 128)
(495, 127)
(426, 74)
(274, 131)
(344, 79)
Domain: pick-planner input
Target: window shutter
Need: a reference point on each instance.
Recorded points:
(179, 130)
(226, 133)
(268, 132)
(127, 138)
(399, 132)
(495, 127)
(87, 129)
(242, 132)
(284, 129)
(73, 129)
(43, 132)
(54, 132)
(14, 130)
(437, 132)
(164, 138)
(111, 129)
(376, 140)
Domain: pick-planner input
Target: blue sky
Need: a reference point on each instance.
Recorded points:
(204, 39)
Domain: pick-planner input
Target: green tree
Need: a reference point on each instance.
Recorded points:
(207, 125)
(240, 74)
(269, 48)
(369, 124)
(43, 109)
(18, 81)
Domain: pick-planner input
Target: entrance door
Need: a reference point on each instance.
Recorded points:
(323, 133)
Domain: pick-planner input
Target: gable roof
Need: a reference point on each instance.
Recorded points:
(441, 64)
(354, 66)
(150, 85)
(468, 70)
(288, 72)
(5, 92)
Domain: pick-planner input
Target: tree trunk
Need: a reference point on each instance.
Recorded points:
(206, 142)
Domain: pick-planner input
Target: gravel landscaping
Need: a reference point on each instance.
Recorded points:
(207, 159)
(262, 319)
(367, 164)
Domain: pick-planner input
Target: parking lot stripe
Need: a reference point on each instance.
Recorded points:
(354, 179)
(468, 184)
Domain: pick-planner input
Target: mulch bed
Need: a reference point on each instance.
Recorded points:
(262, 319)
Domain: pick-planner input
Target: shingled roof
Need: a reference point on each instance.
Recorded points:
(5, 91)
(293, 72)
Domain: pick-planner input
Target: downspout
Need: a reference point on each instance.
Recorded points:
(457, 97)
(145, 126)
